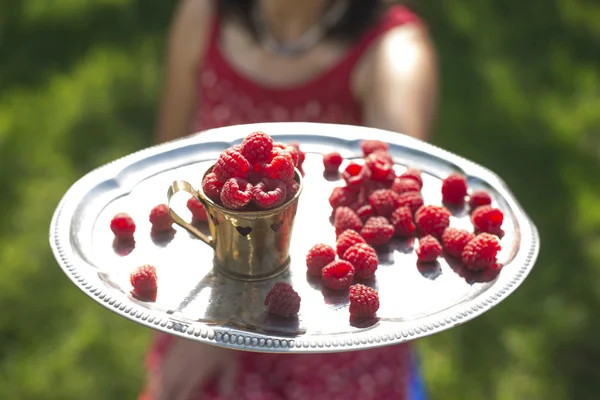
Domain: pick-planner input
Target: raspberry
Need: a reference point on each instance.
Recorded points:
(432, 220)
(381, 169)
(211, 186)
(384, 201)
(454, 189)
(197, 209)
(301, 154)
(347, 239)
(288, 152)
(369, 146)
(481, 252)
(403, 185)
(487, 219)
(364, 301)
(318, 257)
(338, 275)
(332, 162)
(479, 198)
(160, 219)
(414, 174)
(144, 282)
(455, 241)
(236, 193)
(269, 193)
(279, 167)
(342, 196)
(377, 231)
(231, 164)
(412, 200)
(283, 300)
(346, 218)
(403, 223)
(122, 226)
(291, 188)
(364, 260)
(429, 249)
(355, 175)
(365, 212)
(383, 155)
(257, 147)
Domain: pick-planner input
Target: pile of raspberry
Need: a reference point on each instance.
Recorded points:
(258, 174)
(376, 205)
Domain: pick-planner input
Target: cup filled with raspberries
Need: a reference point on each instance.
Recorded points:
(250, 195)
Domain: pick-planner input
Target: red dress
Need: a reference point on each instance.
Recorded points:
(229, 98)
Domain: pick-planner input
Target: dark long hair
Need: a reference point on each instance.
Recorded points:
(358, 17)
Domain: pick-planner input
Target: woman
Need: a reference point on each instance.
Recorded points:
(337, 61)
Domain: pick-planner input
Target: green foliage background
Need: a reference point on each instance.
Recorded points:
(79, 83)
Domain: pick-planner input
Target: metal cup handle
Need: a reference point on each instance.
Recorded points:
(178, 186)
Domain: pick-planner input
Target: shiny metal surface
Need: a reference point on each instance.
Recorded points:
(200, 303)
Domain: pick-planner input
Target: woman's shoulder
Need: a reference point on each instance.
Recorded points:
(401, 39)
(190, 29)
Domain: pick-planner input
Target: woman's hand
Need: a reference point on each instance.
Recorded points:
(189, 365)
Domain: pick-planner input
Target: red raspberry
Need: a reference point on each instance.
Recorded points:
(288, 152)
(364, 301)
(257, 147)
(197, 209)
(403, 222)
(377, 231)
(301, 154)
(332, 162)
(429, 249)
(236, 193)
(481, 252)
(211, 186)
(403, 185)
(369, 146)
(160, 219)
(454, 189)
(122, 226)
(487, 219)
(269, 193)
(279, 167)
(347, 239)
(144, 283)
(355, 175)
(283, 300)
(383, 155)
(432, 220)
(364, 260)
(338, 275)
(381, 169)
(412, 200)
(415, 174)
(455, 241)
(231, 164)
(346, 218)
(479, 198)
(384, 201)
(365, 212)
(318, 257)
(291, 188)
(342, 196)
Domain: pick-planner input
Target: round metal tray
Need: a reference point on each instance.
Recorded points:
(197, 302)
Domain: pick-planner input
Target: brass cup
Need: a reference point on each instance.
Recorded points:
(248, 245)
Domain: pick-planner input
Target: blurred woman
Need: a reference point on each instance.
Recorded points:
(229, 62)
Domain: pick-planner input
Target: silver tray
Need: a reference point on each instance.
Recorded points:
(198, 303)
